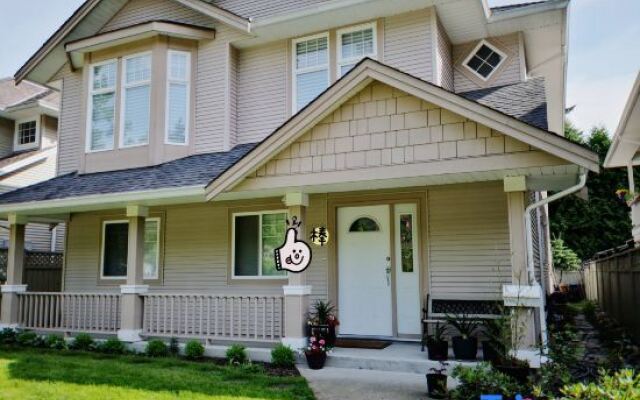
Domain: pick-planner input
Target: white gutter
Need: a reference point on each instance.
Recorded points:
(528, 226)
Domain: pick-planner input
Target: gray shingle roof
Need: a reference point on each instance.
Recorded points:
(189, 171)
(525, 101)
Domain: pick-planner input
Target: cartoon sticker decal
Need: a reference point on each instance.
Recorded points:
(294, 255)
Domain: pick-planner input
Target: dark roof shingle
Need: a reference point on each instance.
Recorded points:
(525, 101)
(189, 171)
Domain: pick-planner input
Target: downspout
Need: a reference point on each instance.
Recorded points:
(528, 225)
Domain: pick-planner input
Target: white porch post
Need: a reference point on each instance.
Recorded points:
(296, 293)
(132, 303)
(515, 189)
(9, 317)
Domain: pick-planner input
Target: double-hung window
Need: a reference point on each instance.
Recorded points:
(354, 44)
(102, 103)
(115, 238)
(178, 88)
(255, 237)
(136, 100)
(26, 136)
(311, 68)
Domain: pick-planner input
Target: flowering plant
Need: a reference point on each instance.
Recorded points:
(316, 345)
(323, 314)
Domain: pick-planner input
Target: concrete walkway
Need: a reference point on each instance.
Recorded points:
(355, 384)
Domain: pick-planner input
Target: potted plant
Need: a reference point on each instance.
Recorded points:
(437, 382)
(512, 333)
(465, 345)
(494, 329)
(316, 352)
(322, 322)
(437, 345)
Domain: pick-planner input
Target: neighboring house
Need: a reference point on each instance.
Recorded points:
(28, 152)
(417, 133)
(625, 150)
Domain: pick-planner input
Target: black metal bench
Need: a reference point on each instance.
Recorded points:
(435, 311)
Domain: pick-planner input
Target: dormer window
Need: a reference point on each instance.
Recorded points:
(102, 104)
(26, 135)
(484, 60)
(354, 44)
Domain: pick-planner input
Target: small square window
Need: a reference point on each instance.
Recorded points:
(484, 60)
(26, 135)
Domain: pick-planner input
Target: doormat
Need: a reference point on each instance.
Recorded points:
(363, 344)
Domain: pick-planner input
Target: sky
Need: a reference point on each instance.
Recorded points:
(604, 54)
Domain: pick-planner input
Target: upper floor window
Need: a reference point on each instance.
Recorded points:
(102, 103)
(26, 135)
(484, 60)
(178, 89)
(311, 68)
(354, 44)
(136, 100)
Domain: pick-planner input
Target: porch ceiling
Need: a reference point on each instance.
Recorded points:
(550, 178)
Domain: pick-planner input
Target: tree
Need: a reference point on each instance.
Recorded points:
(564, 259)
(601, 222)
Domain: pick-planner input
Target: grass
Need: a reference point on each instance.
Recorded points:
(42, 374)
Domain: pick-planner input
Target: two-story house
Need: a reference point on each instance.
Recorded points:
(28, 152)
(421, 135)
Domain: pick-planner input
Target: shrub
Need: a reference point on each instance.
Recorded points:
(283, 357)
(82, 341)
(479, 380)
(237, 354)
(112, 346)
(28, 339)
(7, 336)
(624, 384)
(56, 342)
(193, 350)
(174, 346)
(156, 348)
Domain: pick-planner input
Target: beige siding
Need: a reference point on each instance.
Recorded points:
(38, 172)
(139, 11)
(37, 237)
(71, 121)
(382, 126)
(263, 8)
(469, 255)
(511, 73)
(408, 43)
(444, 58)
(49, 131)
(262, 91)
(6, 137)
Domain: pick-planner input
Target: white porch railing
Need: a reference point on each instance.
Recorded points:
(70, 312)
(251, 318)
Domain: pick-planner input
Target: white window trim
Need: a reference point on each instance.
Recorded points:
(354, 60)
(502, 54)
(188, 83)
(233, 246)
(295, 71)
(28, 146)
(91, 92)
(123, 97)
(102, 245)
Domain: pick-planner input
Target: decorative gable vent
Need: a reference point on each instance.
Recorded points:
(484, 60)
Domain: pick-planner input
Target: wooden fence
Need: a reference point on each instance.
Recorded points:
(250, 318)
(614, 282)
(42, 270)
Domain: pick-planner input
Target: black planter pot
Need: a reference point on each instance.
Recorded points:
(326, 332)
(490, 351)
(438, 350)
(315, 360)
(519, 373)
(465, 349)
(437, 386)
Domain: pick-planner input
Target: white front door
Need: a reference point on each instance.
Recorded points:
(364, 273)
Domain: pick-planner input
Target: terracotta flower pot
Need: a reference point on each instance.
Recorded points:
(315, 359)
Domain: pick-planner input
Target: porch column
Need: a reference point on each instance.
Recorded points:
(9, 317)
(132, 302)
(524, 323)
(296, 293)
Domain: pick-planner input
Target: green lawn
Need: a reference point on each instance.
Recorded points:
(44, 374)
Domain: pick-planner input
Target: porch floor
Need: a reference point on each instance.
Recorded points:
(399, 357)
